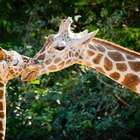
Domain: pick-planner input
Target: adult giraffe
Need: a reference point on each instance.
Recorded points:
(67, 48)
(11, 65)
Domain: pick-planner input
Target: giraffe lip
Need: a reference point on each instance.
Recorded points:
(28, 76)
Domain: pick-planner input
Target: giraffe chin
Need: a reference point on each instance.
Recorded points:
(30, 77)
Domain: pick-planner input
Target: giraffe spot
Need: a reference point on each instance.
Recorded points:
(1, 106)
(135, 66)
(131, 81)
(76, 54)
(68, 62)
(121, 66)
(92, 47)
(61, 65)
(1, 85)
(2, 114)
(48, 62)
(1, 94)
(41, 57)
(107, 64)
(100, 70)
(97, 59)
(11, 71)
(116, 56)
(115, 75)
(1, 136)
(101, 48)
(52, 68)
(1, 125)
(90, 53)
(130, 57)
(70, 54)
(57, 60)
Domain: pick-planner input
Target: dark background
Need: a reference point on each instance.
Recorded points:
(77, 103)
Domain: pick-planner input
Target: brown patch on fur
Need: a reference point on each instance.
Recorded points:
(107, 64)
(11, 71)
(97, 59)
(1, 94)
(1, 125)
(61, 65)
(129, 57)
(116, 56)
(100, 48)
(92, 47)
(1, 85)
(76, 54)
(1, 105)
(57, 60)
(131, 81)
(100, 70)
(115, 75)
(52, 68)
(135, 66)
(2, 114)
(48, 62)
(121, 66)
(41, 57)
(90, 53)
(68, 62)
(1, 136)
(70, 54)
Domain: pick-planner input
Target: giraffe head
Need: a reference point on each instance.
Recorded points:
(59, 51)
(11, 64)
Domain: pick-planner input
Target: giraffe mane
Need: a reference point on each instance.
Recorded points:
(116, 47)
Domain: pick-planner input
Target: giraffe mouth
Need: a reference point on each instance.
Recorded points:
(30, 76)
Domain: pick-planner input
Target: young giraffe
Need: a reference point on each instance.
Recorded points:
(11, 65)
(67, 48)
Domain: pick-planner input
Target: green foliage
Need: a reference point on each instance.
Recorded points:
(78, 102)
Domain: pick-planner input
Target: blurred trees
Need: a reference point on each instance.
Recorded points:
(78, 102)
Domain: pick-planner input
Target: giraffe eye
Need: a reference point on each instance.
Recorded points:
(60, 48)
(15, 62)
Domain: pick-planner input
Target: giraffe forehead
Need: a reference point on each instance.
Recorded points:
(66, 37)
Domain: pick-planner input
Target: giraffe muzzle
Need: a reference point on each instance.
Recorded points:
(30, 76)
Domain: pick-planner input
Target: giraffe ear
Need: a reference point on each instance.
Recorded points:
(87, 38)
(2, 54)
(84, 32)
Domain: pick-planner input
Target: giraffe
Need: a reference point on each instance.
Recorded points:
(67, 48)
(11, 65)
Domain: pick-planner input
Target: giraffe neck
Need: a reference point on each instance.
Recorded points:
(114, 61)
(2, 111)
